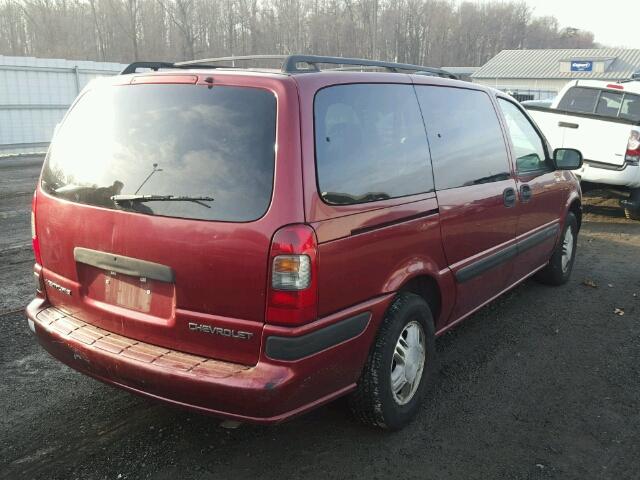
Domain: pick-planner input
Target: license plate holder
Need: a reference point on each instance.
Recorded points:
(129, 292)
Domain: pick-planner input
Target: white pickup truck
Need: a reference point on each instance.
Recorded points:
(602, 120)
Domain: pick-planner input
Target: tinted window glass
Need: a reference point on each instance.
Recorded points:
(370, 143)
(527, 144)
(579, 99)
(609, 104)
(180, 140)
(467, 146)
(630, 107)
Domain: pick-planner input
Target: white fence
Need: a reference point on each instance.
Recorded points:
(35, 93)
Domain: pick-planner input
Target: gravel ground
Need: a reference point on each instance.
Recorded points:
(543, 383)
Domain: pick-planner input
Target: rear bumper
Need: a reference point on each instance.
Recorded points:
(269, 392)
(596, 172)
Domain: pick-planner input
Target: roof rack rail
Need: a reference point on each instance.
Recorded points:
(132, 67)
(292, 64)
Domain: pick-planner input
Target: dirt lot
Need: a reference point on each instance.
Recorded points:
(543, 383)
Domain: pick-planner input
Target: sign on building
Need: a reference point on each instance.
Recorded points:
(581, 66)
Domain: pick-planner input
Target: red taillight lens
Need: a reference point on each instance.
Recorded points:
(34, 232)
(293, 272)
(633, 147)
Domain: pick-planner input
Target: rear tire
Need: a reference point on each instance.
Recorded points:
(631, 205)
(632, 214)
(393, 382)
(558, 271)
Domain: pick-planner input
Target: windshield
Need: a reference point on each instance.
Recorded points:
(168, 140)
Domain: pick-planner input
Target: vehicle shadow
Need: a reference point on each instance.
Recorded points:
(604, 202)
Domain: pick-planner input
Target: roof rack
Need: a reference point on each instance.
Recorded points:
(293, 64)
(132, 67)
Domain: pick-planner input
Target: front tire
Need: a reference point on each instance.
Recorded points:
(393, 382)
(558, 271)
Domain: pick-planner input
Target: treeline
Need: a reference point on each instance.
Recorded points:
(430, 32)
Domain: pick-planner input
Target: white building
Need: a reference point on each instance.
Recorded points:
(540, 74)
(35, 93)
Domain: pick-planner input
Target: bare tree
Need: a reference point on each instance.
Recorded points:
(430, 32)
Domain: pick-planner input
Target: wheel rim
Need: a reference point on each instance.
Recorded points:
(408, 362)
(567, 249)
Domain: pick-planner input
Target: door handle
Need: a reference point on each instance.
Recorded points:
(568, 125)
(509, 197)
(525, 193)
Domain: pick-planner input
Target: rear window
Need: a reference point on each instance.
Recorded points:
(609, 104)
(213, 148)
(602, 102)
(579, 99)
(370, 143)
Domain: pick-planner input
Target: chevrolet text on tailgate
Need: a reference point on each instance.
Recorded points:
(254, 243)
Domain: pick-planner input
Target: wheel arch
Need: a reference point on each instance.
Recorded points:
(575, 207)
(426, 287)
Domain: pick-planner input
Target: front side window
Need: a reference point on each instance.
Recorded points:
(527, 144)
(465, 137)
(370, 143)
(579, 99)
(189, 151)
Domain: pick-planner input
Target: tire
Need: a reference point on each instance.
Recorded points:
(632, 214)
(374, 401)
(631, 205)
(557, 272)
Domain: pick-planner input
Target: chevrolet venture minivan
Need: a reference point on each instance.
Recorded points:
(253, 243)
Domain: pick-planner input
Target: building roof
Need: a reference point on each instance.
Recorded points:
(619, 64)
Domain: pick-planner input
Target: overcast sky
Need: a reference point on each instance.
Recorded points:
(615, 23)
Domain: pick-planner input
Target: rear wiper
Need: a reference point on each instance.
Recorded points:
(162, 198)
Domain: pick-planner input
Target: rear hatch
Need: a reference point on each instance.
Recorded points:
(152, 212)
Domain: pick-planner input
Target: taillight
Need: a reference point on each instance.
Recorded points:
(34, 232)
(293, 272)
(633, 147)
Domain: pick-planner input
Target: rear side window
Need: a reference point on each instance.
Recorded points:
(370, 143)
(579, 99)
(168, 141)
(467, 145)
(630, 107)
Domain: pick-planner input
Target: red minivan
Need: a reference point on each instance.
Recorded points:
(253, 243)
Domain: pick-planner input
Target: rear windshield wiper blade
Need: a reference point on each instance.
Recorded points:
(162, 198)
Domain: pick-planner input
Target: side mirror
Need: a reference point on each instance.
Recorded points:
(567, 158)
